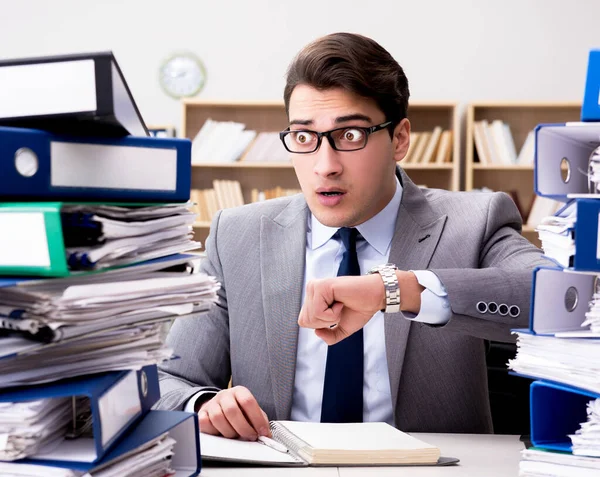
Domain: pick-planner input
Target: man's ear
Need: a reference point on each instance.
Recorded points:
(401, 139)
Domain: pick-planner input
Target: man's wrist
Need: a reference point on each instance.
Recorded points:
(410, 291)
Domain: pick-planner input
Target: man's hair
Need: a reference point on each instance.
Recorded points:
(358, 65)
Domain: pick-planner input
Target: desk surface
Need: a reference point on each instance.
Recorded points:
(485, 454)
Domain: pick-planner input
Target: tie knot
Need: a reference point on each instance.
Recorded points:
(348, 236)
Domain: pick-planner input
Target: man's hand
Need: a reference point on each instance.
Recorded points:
(234, 413)
(338, 307)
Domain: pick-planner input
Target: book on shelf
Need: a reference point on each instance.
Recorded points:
(221, 142)
(429, 147)
(420, 147)
(495, 145)
(415, 137)
(444, 151)
(430, 150)
(267, 147)
(526, 154)
(226, 194)
(321, 444)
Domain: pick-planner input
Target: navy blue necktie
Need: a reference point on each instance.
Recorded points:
(343, 389)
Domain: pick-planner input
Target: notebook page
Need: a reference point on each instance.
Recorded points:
(365, 436)
(223, 449)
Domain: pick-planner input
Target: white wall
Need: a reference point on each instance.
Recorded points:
(460, 50)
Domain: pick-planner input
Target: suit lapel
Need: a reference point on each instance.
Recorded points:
(282, 257)
(418, 230)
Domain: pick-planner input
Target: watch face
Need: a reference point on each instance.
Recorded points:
(182, 75)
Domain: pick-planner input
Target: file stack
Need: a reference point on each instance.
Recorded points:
(561, 347)
(95, 225)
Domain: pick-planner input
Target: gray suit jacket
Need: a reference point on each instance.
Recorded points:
(437, 375)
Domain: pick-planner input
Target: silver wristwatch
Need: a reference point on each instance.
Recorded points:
(390, 283)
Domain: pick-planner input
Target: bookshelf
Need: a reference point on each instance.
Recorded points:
(266, 116)
(521, 117)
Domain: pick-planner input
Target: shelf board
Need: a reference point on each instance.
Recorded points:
(416, 167)
(499, 167)
(242, 165)
(288, 165)
(526, 104)
(200, 224)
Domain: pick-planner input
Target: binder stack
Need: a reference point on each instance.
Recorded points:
(561, 347)
(94, 229)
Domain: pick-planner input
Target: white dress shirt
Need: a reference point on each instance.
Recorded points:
(323, 258)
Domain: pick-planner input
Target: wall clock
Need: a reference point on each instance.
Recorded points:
(182, 75)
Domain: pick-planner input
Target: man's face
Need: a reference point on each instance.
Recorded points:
(345, 189)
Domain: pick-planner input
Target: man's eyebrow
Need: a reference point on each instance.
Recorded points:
(302, 122)
(339, 119)
(353, 117)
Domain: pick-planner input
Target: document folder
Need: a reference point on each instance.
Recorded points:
(557, 410)
(117, 400)
(36, 165)
(180, 426)
(590, 110)
(34, 242)
(560, 300)
(562, 156)
(82, 94)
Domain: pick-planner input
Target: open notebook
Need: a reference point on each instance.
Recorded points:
(314, 443)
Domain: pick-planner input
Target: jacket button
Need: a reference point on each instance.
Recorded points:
(492, 307)
(503, 309)
(514, 311)
(482, 307)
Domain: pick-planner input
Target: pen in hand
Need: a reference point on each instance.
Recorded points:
(272, 444)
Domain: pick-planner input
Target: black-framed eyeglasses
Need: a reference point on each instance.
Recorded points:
(347, 138)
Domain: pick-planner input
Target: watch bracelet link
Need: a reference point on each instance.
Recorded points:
(391, 286)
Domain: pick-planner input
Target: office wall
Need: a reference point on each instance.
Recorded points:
(451, 50)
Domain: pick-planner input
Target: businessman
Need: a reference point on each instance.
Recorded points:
(365, 298)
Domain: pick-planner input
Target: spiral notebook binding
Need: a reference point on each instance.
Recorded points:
(297, 446)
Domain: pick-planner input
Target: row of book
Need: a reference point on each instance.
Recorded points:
(495, 145)
(560, 349)
(230, 141)
(429, 147)
(88, 286)
(225, 194)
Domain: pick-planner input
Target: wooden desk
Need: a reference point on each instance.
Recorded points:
(489, 455)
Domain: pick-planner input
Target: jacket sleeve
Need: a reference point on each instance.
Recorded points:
(504, 278)
(200, 345)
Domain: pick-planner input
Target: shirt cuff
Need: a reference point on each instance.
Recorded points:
(435, 306)
(190, 405)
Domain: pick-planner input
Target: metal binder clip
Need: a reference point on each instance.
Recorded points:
(593, 172)
(81, 418)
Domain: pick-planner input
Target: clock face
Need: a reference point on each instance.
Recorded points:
(182, 75)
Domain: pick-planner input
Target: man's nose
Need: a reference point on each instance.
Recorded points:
(327, 160)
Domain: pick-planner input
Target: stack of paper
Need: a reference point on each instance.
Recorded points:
(25, 427)
(594, 171)
(94, 327)
(153, 459)
(78, 351)
(592, 317)
(573, 361)
(542, 463)
(556, 234)
(124, 235)
(586, 441)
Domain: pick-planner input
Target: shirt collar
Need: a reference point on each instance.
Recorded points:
(378, 231)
